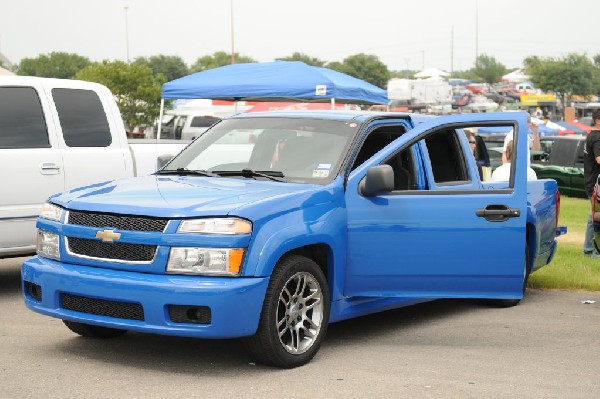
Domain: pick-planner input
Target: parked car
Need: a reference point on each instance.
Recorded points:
(304, 218)
(188, 126)
(510, 92)
(406, 106)
(495, 97)
(185, 125)
(561, 159)
(494, 142)
(479, 103)
(55, 135)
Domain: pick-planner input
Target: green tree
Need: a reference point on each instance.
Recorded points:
(403, 74)
(366, 67)
(218, 59)
(304, 58)
(170, 66)
(136, 90)
(468, 74)
(337, 66)
(574, 74)
(53, 65)
(488, 69)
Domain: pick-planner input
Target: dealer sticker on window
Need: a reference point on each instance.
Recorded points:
(322, 170)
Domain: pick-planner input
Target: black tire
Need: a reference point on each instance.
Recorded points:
(508, 303)
(91, 331)
(295, 315)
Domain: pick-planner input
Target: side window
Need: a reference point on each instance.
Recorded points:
(405, 172)
(446, 157)
(179, 124)
(82, 118)
(375, 141)
(22, 123)
(204, 121)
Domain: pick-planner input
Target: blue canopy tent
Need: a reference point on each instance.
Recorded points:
(274, 81)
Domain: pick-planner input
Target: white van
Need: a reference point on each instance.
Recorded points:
(188, 126)
(525, 87)
(55, 135)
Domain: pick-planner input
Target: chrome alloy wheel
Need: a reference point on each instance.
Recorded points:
(299, 313)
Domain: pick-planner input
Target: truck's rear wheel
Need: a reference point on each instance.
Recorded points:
(295, 315)
(91, 331)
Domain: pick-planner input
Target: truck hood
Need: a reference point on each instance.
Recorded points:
(177, 196)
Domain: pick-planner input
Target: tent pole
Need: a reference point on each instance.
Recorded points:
(162, 109)
(333, 103)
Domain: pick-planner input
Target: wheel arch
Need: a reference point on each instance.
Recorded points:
(530, 245)
(321, 254)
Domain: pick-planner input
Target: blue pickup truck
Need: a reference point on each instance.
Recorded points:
(271, 225)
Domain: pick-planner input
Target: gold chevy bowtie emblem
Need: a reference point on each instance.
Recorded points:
(108, 235)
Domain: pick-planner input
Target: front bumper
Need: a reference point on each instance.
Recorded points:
(235, 302)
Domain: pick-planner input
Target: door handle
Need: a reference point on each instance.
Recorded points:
(49, 168)
(498, 213)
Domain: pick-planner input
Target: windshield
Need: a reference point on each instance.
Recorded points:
(297, 149)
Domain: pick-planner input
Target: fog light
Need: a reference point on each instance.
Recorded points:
(48, 245)
(212, 261)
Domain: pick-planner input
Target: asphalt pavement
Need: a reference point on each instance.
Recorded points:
(547, 347)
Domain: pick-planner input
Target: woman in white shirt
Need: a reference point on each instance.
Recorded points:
(502, 172)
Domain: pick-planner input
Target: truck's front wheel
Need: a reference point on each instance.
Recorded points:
(91, 331)
(295, 314)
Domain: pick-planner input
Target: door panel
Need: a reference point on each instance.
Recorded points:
(91, 153)
(30, 161)
(433, 246)
(431, 243)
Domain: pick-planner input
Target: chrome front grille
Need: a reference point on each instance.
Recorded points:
(117, 222)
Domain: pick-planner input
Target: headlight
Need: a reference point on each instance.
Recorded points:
(52, 212)
(48, 245)
(216, 226)
(213, 261)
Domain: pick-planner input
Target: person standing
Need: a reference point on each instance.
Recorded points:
(473, 144)
(591, 170)
(502, 172)
(533, 138)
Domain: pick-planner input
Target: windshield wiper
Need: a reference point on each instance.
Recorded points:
(186, 171)
(249, 173)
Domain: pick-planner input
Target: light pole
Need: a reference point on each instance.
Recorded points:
(476, 31)
(127, 32)
(232, 46)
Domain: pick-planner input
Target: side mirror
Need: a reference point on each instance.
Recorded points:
(162, 160)
(379, 180)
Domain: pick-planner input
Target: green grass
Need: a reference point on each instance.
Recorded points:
(570, 269)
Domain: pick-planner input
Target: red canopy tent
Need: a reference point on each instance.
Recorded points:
(582, 126)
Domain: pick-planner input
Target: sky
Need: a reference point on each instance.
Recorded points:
(402, 34)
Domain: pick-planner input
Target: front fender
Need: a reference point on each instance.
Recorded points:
(273, 241)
